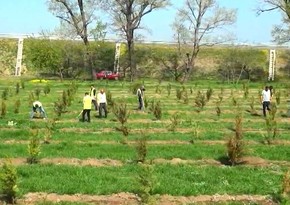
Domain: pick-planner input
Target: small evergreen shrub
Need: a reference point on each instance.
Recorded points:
(37, 92)
(17, 106)
(8, 182)
(3, 109)
(209, 94)
(17, 88)
(141, 148)
(235, 144)
(33, 147)
(155, 108)
(174, 122)
(46, 89)
(146, 182)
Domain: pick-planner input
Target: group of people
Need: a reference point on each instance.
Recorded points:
(98, 100)
(100, 103)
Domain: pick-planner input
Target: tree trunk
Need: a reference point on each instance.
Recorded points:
(131, 55)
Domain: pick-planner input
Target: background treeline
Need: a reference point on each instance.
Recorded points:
(65, 59)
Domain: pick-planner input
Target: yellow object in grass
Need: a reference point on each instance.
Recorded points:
(38, 81)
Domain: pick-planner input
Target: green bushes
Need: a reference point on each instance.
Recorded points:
(8, 182)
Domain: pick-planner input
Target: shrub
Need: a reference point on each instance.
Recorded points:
(22, 82)
(195, 132)
(174, 122)
(209, 93)
(49, 128)
(158, 89)
(278, 97)
(31, 98)
(178, 93)
(235, 145)
(37, 92)
(168, 88)
(3, 109)
(46, 89)
(271, 129)
(8, 179)
(146, 183)
(122, 114)
(286, 184)
(252, 106)
(33, 147)
(5, 94)
(17, 88)
(17, 106)
(218, 108)
(110, 100)
(155, 108)
(141, 148)
(200, 100)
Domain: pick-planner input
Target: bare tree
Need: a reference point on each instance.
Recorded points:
(199, 19)
(78, 14)
(281, 33)
(127, 16)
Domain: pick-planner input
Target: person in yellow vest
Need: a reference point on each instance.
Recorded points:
(93, 96)
(87, 106)
(102, 103)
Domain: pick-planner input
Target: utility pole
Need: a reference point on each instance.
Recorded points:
(117, 58)
(19, 57)
(272, 64)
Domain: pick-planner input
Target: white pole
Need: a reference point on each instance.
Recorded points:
(117, 58)
(19, 57)
(272, 63)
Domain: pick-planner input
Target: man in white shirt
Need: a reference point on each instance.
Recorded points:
(37, 107)
(140, 95)
(102, 103)
(266, 99)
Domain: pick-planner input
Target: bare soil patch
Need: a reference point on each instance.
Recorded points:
(248, 161)
(132, 199)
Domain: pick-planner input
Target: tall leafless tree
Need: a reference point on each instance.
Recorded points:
(281, 33)
(127, 16)
(199, 19)
(78, 14)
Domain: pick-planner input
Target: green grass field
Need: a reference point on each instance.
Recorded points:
(189, 160)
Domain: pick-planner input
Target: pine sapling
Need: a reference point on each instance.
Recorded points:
(8, 179)
(122, 114)
(278, 97)
(218, 108)
(33, 147)
(5, 94)
(146, 182)
(235, 144)
(286, 184)
(37, 92)
(209, 93)
(3, 109)
(195, 132)
(17, 88)
(174, 122)
(46, 89)
(155, 108)
(168, 88)
(141, 148)
(17, 106)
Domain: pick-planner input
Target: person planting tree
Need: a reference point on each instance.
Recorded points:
(37, 107)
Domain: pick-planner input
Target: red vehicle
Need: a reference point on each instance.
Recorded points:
(106, 74)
